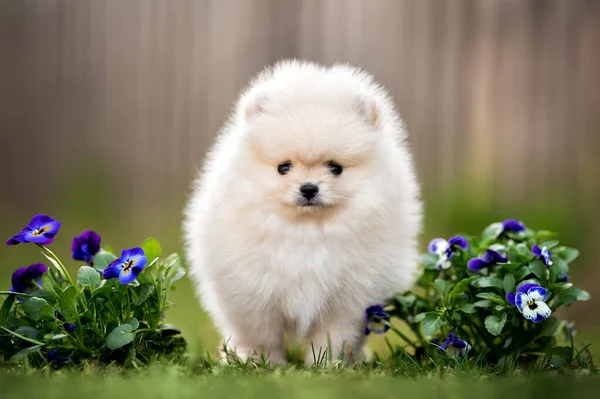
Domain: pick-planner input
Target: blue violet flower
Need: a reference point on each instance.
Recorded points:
(85, 246)
(455, 345)
(543, 254)
(28, 279)
(529, 299)
(70, 327)
(513, 225)
(377, 320)
(445, 250)
(128, 267)
(490, 257)
(40, 230)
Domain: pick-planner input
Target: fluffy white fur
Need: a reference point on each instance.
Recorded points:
(263, 264)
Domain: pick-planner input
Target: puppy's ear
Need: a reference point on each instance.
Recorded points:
(368, 109)
(253, 104)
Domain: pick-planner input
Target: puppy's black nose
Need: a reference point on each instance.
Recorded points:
(309, 190)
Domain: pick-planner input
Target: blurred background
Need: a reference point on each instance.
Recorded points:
(107, 109)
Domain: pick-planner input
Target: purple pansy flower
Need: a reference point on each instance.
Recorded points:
(562, 278)
(455, 345)
(70, 327)
(128, 267)
(491, 256)
(529, 299)
(542, 253)
(376, 320)
(513, 225)
(445, 250)
(40, 230)
(28, 279)
(85, 246)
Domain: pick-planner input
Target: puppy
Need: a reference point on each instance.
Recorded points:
(306, 213)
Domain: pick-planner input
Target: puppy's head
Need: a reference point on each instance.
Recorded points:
(310, 141)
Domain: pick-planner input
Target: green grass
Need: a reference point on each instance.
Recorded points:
(182, 382)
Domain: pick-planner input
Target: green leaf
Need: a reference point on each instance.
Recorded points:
(429, 261)
(102, 259)
(562, 266)
(133, 322)
(492, 232)
(22, 354)
(178, 275)
(549, 327)
(509, 283)
(37, 308)
(499, 307)
(565, 253)
(120, 336)
(487, 282)
(67, 302)
(484, 303)
(88, 276)
(462, 286)
(560, 286)
(492, 297)
(5, 309)
(562, 356)
(432, 323)
(152, 249)
(169, 329)
(521, 273)
(495, 324)
(145, 291)
(523, 249)
(511, 267)
(441, 286)
(405, 301)
(419, 317)
(48, 284)
(27, 331)
(54, 263)
(580, 294)
(468, 308)
(549, 244)
(538, 268)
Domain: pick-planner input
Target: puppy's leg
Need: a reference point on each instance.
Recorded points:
(341, 336)
(260, 335)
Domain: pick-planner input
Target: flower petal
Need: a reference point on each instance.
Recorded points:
(36, 270)
(476, 264)
(537, 251)
(510, 297)
(20, 280)
(537, 293)
(17, 239)
(526, 287)
(542, 312)
(491, 256)
(127, 276)
(113, 270)
(521, 300)
(513, 225)
(528, 313)
(458, 241)
(562, 278)
(131, 253)
(437, 246)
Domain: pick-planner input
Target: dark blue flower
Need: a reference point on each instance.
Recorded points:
(455, 345)
(28, 279)
(562, 278)
(513, 225)
(377, 320)
(40, 230)
(445, 250)
(70, 327)
(128, 267)
(85, 246)
(490, 257)
(542, 253)
(529, 299)
(55, 359)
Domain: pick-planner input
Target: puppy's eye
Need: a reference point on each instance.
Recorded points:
(284, 168)
(335, 168)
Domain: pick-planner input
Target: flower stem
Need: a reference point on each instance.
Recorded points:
(404, 337)
(59, 265)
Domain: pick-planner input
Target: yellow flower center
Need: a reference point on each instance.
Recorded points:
(532, 305)
(39, 232)
(128, 265)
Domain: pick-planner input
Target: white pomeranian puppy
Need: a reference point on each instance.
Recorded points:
(306, 213)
